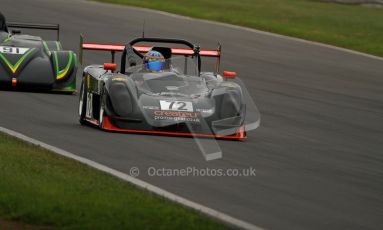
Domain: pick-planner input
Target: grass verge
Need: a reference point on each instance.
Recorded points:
(40, 188)
(350, 26)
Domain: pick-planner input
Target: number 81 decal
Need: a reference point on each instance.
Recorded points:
(176, 105)
(13, 50)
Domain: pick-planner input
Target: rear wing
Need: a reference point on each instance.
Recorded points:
(55, 27)
(113, 48)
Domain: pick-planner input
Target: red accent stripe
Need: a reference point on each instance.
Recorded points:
(240, 135)
(105, 47)
(144, 49)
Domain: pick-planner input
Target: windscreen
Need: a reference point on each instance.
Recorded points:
(178, 76)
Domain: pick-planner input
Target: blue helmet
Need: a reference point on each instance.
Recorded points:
(154, 61)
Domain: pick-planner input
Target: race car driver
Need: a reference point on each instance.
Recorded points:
(154, 61)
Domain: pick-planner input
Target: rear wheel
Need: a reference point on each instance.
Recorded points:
(82, 103)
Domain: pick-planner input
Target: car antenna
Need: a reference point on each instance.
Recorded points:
(143, 30)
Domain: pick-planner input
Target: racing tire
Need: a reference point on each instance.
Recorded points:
(101, 112)
(82, 103)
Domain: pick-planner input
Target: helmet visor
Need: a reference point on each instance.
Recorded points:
(155, 65)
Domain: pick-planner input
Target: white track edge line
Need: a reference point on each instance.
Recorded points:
(248, 29)
(142, 184)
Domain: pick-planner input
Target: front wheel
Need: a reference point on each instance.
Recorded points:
(101, 113)
(82, 103)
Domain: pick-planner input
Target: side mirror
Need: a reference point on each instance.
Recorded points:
(110, 66)
(229, 74)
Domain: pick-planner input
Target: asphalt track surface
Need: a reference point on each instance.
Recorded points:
(318, 153)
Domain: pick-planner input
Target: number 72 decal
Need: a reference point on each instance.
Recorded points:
(176, 105)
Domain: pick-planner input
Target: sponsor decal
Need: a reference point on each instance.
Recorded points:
(205, 111)
(176, 116)
(89, 105)
(118, 79)
(151, 107)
